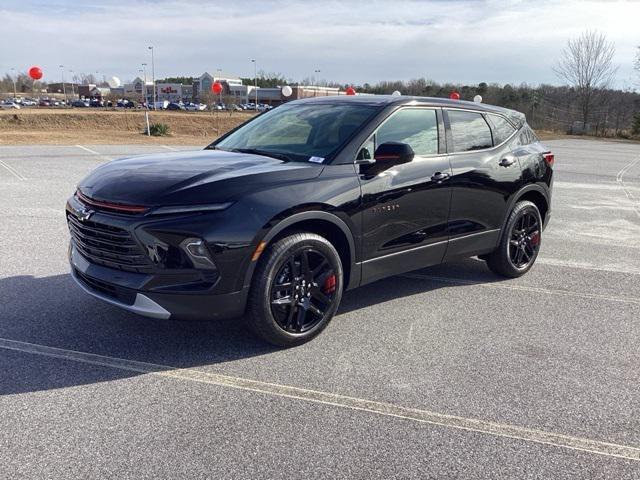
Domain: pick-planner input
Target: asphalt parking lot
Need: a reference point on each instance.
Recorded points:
(448, 372)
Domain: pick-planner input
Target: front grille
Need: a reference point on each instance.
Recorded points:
(109, 246)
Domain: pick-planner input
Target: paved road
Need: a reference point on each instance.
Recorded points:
(448, 372)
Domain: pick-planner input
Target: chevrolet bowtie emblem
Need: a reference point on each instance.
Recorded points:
(84, 214)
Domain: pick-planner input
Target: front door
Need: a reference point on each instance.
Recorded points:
(406, 207)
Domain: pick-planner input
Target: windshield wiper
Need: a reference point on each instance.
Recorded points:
(266, 153)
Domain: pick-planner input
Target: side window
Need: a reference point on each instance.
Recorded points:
(470, 131)
(416, 126)
(502, 129)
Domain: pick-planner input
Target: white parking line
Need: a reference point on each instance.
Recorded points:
(562, 263)
(627, 191)
(341, 401)
(12, 171)
(522, 288)
(86, 149)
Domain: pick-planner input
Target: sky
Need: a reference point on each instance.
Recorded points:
(349, 41)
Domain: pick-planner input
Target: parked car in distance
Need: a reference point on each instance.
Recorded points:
(80, 103)
(7, 105)
(277, 218)
(125, 103)
(175, 106)
(195, 107)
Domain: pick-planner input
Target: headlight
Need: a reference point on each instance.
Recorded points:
(198, 253)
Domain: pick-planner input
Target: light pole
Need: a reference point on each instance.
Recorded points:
(73, 90)
(64, 90)
(219, 72)
(13, 78)
(153, 77)
(144, 74)
(255, 80)
(315, 89)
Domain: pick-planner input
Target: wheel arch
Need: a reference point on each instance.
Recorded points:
(323, 223)
(534, 193)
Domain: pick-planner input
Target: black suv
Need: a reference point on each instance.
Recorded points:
(278, 217)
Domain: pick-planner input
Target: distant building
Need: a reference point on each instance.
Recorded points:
(173, 92)
(93, 91)
(59, 87)
(204, 82)
(134, 90)
(85, 90)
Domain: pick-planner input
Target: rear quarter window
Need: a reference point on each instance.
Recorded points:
(526, 137)
(469, 130)
(501, 128)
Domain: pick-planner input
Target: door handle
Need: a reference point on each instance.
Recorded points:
(439, 176)
(506, 162)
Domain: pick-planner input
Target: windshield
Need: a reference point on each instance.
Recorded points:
(299, 132)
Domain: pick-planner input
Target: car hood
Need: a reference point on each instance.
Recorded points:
(190, 178)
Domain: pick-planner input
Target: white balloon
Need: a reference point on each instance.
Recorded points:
(114, 82)
(287, 91)
(477, 99)
(396, 93)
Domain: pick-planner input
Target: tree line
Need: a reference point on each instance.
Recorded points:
(586, 102)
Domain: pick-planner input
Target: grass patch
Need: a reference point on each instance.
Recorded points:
(158, 130)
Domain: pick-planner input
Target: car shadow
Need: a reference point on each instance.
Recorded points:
(54, 312)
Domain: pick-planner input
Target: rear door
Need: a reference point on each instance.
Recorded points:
(406, 207)
(484, 175)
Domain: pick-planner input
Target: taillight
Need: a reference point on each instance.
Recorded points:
(549, 158)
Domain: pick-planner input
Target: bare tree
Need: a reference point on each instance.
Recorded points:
(587, 64)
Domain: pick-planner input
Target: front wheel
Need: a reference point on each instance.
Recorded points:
(296, 289)
(520, 242)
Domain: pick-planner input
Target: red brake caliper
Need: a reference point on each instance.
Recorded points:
(535, 239)
(329, 284)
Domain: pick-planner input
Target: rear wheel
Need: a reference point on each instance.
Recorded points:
(296, 289)
(520, 242)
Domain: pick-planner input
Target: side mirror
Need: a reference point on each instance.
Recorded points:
(393, 153)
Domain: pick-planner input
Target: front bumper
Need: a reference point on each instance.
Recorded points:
(126, 290)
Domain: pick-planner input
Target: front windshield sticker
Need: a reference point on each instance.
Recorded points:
(316, 159)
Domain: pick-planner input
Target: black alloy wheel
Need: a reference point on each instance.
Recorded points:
(303, 291)
(525, 239)
(520, 242)
(296, 289)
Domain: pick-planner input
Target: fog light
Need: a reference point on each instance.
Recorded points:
(198, 253)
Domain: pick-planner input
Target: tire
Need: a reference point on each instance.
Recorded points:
(520, 242)
(289, 305)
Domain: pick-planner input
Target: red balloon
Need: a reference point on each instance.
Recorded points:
(351, 91)
(35, 73)
(216, 88)
(454, 95)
